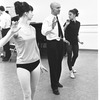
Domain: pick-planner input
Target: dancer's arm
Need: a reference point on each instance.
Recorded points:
(9, 35)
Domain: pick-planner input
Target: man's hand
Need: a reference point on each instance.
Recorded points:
(66, 41)
(54, 21)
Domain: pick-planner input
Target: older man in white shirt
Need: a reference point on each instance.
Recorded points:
(5, 23)
(53, 30)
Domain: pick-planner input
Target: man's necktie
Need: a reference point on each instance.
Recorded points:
(59, 28)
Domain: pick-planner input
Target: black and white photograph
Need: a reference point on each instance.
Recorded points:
(49, 50)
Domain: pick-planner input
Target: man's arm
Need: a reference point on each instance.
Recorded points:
(47, 26)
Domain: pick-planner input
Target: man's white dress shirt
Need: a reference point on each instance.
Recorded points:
(52, 34)
(5, 20)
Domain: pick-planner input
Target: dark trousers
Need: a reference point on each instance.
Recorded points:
(55, 56)
(72, 52)
(6, 47)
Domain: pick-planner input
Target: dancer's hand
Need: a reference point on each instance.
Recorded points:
(67, 22)
(14, 27)
(81, 42)
(43, 68)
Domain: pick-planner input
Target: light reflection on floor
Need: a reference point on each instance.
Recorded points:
(84, 87)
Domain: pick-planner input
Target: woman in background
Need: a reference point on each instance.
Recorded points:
(71, 28)
(28, 56)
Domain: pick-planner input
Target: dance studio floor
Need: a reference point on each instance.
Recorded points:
(83, 87)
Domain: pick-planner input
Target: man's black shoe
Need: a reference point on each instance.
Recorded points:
(59, 85)
(56, 91)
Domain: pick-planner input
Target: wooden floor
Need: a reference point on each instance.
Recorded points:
(84, 87)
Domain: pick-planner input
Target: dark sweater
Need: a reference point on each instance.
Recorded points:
(71, 32)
